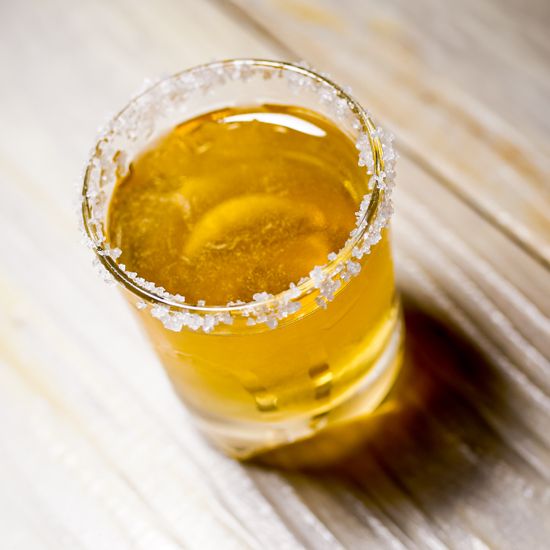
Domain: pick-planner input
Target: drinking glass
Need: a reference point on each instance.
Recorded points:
(262, 374)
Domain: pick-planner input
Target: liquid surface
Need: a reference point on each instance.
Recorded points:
(237, 201)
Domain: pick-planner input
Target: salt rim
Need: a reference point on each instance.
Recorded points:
(376, 154)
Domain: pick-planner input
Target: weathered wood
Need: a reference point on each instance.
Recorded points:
(96, 452)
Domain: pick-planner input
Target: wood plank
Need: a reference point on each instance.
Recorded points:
(95, 449)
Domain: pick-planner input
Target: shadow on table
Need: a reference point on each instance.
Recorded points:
(428, 434)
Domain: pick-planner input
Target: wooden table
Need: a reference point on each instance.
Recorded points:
(95, 450)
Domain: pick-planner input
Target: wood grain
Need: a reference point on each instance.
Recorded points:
(95, 450)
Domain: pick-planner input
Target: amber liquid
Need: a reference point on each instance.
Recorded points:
(240, 201)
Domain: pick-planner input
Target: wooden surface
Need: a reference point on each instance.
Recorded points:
(95, 450)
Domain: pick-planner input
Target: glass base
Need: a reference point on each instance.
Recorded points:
(244, 440)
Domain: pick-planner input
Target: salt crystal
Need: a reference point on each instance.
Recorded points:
(293, 307)
(353, 267)
(226, 318)
(322, 303)
(271, 322)
(292, 292)
(159, 312)
(173, 322)
(209, 323)
(378, 132)
(261, 296)
(317, 275)
(194, 322)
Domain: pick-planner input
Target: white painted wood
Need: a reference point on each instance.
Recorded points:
(97, 452)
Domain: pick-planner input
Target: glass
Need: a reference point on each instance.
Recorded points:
(280, 368)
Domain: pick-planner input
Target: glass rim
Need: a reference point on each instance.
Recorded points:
(365, 216)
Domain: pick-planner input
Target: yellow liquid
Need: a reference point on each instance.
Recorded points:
(240, 201)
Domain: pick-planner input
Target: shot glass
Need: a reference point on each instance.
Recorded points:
(279, 368)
